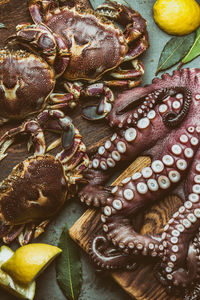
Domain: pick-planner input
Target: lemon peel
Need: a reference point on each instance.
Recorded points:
(178, 17)
(7, 282)
(29, 261)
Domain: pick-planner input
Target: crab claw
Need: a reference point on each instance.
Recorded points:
(68, 136)
(90, 113)
(100, 111)
(40, 39)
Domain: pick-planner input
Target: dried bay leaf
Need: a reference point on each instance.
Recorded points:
(68, 267)
(175, 49)
(194, 50)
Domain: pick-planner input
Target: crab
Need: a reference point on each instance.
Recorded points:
(83, 45)
(38, 187)
(26, 86)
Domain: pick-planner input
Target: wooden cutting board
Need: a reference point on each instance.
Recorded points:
(141, 282)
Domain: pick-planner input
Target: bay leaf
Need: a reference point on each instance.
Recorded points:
(194, 50)
(175, 49)
(68, 267)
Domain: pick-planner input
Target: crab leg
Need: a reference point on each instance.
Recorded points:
(135, 32)
(61, 101)
(64, 123)
(30, 127)
(137, 71)
(104, 106)
(92, 90)
(31, 231)
(40, 228)
(137, 48)
(125, 84)
(66, 154)
(135, 24)
(35, 38)
(13, 233)
(123, 77)
(39, 38)
(39, 8)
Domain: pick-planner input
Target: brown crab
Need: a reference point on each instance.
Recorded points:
(38, 187)
(95, 44)
(27, 82)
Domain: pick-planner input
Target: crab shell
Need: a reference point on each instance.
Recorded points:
(26, 81)
(95, 43)
(35, 189)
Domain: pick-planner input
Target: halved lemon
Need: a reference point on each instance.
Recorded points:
(29, 261)
(6, 282)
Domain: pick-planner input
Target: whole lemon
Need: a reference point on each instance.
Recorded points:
(177, 17)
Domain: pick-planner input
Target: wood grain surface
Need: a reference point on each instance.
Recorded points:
(140, 283)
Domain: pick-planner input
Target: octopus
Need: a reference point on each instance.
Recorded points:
(160, 120)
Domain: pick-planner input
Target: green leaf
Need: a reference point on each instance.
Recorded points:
(2, 25)
(175, 49)
(194, 50)
(68, 267)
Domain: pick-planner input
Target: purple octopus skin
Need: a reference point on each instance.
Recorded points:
(160, 120)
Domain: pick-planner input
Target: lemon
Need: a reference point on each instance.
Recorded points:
(29, 261)
(8, 283)
(177, 17)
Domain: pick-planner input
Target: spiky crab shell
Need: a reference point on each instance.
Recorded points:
(35, 190)
(26, 81)
(96, 44)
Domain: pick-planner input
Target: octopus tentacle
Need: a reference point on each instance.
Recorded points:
(183, 225)
(173, 119)
(143, 99)
(143, 188)
(160, 120)
(183, 276)
(127, 143)
(118, 148)
(141, 106)
(151, 118)
(192, 293)
(107, 257)
(122, 234)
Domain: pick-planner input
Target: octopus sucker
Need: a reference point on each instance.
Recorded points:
(160, 120)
